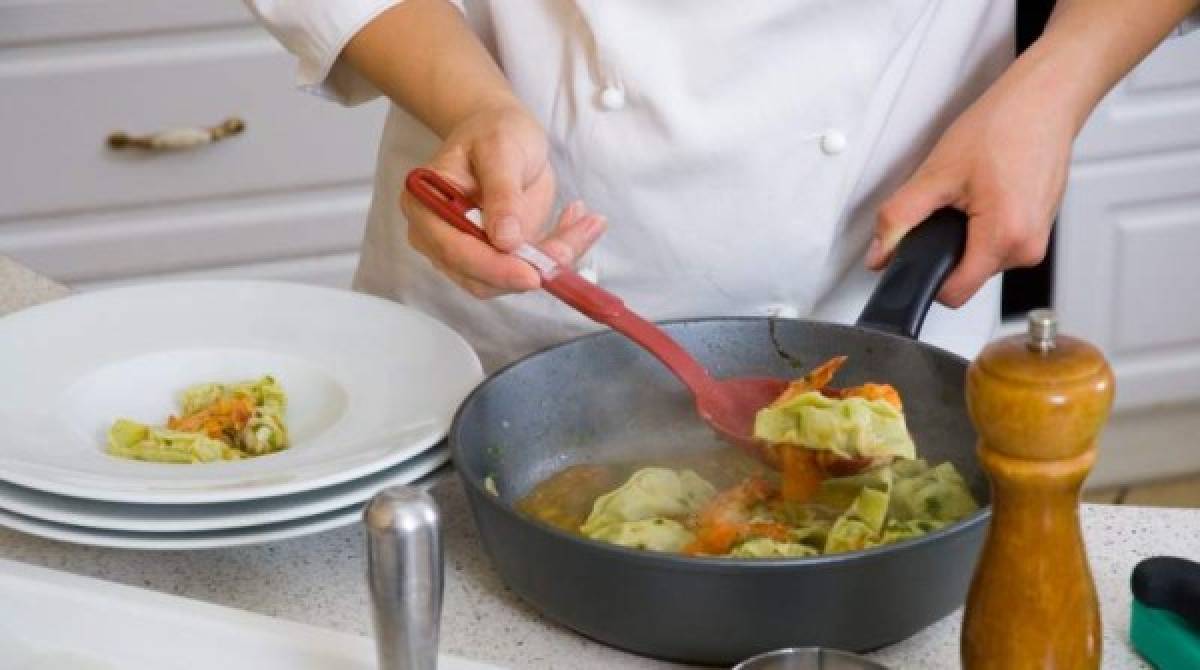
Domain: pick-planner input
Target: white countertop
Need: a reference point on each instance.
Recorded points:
(319, 579)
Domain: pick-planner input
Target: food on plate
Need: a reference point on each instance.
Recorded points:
(216, 422)
(845, 476)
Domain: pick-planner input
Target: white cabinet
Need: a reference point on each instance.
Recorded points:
(285, 198)
(1127, 274)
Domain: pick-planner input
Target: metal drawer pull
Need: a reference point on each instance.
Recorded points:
(177, 138)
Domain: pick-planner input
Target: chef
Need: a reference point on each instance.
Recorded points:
(711, 157)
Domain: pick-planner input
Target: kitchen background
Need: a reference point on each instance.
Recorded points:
(258, 205)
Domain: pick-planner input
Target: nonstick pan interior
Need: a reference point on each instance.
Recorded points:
(600, 399)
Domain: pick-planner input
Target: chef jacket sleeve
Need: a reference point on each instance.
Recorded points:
(316, 31)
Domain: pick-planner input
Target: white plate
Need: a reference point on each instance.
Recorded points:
(370, 383)
(205, 539)
(216, 516)
(67, 621)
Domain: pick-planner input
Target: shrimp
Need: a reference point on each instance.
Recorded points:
(815, 380)
(724, 521)
(223, 417)
(818, 380)
(802, 472)
(884, 392)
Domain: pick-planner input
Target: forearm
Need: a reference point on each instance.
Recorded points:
(423, 56)
(1087, 47)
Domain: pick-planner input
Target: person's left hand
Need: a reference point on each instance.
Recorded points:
(1004, 163)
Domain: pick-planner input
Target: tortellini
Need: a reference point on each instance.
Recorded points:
(850, 427)
(659, 509)
(650, 493)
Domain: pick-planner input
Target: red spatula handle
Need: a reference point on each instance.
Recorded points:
(452, 206)
(444, 199)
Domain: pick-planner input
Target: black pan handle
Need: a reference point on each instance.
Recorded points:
(923, 260)
(1169, 583)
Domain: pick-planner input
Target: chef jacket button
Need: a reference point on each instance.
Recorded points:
(833, 142)
(783, 312)
(612, 98)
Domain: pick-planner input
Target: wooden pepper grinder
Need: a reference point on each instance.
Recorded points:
(1038, 403)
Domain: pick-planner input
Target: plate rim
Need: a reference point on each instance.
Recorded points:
(240, 537)
(423, 464)
(26, 474)
(188, 541)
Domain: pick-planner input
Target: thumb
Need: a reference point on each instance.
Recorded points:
(498, 169)
(911, 204)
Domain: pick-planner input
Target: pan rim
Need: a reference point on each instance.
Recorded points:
(719, 565)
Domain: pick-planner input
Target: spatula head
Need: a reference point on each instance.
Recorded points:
(730, 409)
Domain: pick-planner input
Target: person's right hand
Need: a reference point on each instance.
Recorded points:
(499, 156)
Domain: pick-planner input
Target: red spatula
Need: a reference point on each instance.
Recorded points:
(728, 405)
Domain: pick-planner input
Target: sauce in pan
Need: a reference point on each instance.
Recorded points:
(565, 499)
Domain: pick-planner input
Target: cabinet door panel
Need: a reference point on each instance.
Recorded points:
(1156, 108)
(110, 245)
(1127, 277)
(335, 270)
(61, 104)
(25, 22)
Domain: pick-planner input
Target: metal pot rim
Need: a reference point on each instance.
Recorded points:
(866, 663)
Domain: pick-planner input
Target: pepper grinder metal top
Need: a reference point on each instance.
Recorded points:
(1043, 330)
(404, 573)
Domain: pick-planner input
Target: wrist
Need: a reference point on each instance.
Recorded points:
(485, 117)
(501, 103)
(457, 107)
(1088, 46)
(1061, 80)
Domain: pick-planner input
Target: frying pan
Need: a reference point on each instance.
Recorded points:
(599, 398)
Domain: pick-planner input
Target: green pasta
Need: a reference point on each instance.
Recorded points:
(849, 427)
(656, 509)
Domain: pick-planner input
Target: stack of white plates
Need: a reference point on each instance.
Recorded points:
(372, 387)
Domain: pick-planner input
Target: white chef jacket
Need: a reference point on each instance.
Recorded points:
(739, 150)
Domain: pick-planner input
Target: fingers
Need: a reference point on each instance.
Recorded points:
(474, 265)
(924, 193)
(978, 264)
(499, 166)
(576, 232)
(482, 270)
(997, 239)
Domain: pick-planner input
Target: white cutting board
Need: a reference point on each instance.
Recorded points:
(52, 620)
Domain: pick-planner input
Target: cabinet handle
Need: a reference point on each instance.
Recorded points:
(177, 138)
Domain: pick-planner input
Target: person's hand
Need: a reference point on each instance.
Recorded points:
(1004, 163)
(499, 156)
